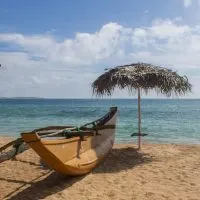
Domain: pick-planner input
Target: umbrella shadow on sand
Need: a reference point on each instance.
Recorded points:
(117, 160)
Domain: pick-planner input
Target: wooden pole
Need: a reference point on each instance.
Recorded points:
(139, 119)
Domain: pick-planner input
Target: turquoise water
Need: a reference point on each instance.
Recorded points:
(165, 121)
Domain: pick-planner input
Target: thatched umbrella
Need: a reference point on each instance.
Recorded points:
(141, 76)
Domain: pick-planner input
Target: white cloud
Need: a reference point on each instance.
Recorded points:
(187, 3)
(83, 49)
(167, 28)
(41, 65)
(178, 19)
(168, 43)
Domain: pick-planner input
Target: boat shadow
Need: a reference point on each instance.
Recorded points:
(122, 159)
(117, 160)
(52, 184)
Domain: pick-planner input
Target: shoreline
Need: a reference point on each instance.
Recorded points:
(161, 171)
(9, 137)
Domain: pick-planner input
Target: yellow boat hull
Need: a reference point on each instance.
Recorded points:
(74, 156)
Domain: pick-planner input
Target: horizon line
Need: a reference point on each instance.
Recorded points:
(102, 98)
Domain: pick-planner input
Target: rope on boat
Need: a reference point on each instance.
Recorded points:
(95, 128)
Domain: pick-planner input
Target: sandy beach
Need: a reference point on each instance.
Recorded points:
(161, 171)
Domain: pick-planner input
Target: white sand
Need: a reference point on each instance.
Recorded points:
(164, 171)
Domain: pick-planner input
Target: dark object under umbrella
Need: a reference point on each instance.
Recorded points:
(141, 76)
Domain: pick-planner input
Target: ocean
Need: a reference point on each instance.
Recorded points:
(164, 120)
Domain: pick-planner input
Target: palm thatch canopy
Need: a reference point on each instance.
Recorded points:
(141, 76)
(144, 76)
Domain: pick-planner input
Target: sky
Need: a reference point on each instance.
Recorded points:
(57, 48)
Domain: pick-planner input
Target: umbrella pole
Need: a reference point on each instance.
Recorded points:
(139, 119)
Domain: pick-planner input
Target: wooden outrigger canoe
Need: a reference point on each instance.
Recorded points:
(73, 151)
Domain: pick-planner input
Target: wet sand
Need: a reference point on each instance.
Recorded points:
(161, 171)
